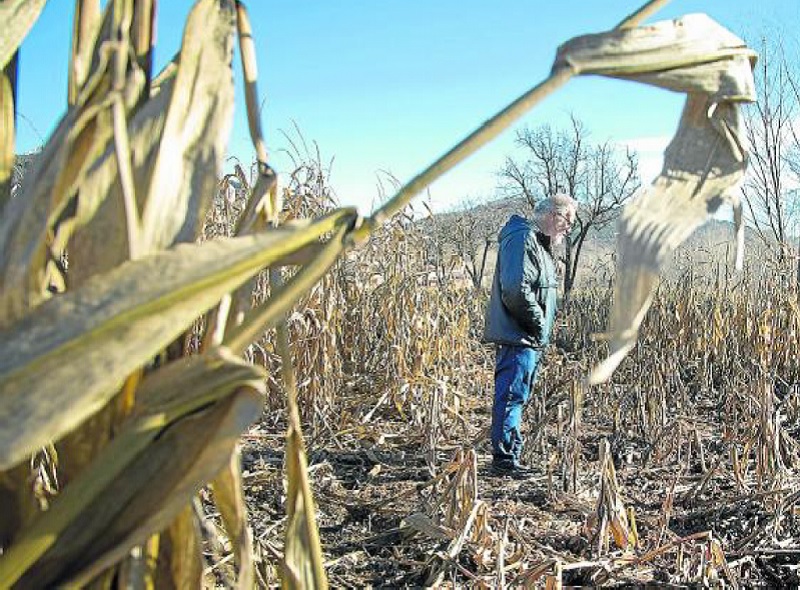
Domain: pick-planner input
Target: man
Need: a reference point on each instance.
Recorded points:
(520, 316)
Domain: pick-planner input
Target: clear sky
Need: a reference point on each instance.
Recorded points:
(390, 85)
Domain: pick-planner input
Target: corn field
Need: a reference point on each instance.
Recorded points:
(681, 469)
(213, 380)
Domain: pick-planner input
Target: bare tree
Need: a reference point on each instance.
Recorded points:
(611, 179)
(768, 191)
(599, 177)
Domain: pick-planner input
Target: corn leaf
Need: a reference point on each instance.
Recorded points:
(690, 54)
(302, 554)
(46, 195)
(197, 127)
(184, 403)
(185, 385)
(85, 27)
(285, 295)
(704, 162)
(179, 563)
(18, 502)
(178, 139)
(23, 227)
(147, 496)
(6, 131)
(77, 349)
(99, 214)
(17, 17)
(229, 499)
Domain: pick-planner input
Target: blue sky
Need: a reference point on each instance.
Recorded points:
(390, 85)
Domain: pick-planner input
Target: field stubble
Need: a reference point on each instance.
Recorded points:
(681, 470)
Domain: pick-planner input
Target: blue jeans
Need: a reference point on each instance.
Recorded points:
(514, 377)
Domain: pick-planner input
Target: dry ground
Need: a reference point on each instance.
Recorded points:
(385, 496)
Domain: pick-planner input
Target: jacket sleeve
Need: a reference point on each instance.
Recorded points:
(519, 277)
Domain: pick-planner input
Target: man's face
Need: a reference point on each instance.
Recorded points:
(557, 224)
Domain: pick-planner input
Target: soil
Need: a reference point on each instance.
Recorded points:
(393, 504)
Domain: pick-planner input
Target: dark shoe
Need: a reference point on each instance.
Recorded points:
(510, 468)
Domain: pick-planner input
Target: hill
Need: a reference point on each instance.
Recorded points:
(466, 232)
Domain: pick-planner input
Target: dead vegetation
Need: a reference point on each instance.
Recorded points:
(129, 375)
(680, 470)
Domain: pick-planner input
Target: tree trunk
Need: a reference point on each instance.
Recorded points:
(483, 264)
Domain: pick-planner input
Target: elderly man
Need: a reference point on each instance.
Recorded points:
(520, 317)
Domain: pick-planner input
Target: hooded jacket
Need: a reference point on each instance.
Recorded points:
(522, 305)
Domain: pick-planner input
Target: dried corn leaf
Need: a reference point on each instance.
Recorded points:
(703, 163)
(610, 509)
(689, 54)
(437, 573)
(23, 227)
(180, 557)
(178, 389)
(99, 209)
(619, 530)
(18, 501)
(302, 562)
(198, 124)
(46, 197)
(76, 350)
(187, 384)
(178, 139)
(17, 17)
(229, 499)
(159, 459)
(6, 132)
(84, 32)
(302, 553)
(285, 296)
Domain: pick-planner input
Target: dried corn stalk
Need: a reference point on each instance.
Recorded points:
(125, 178)
(610, 517)
(17, 17)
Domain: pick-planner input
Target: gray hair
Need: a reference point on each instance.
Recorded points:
(559, 202)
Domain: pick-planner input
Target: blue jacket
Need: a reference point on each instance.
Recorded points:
(522, 305)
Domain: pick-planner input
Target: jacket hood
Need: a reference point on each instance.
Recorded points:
(515, 224)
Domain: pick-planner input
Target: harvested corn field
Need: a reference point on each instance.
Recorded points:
(682, 470)
(212, 379)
